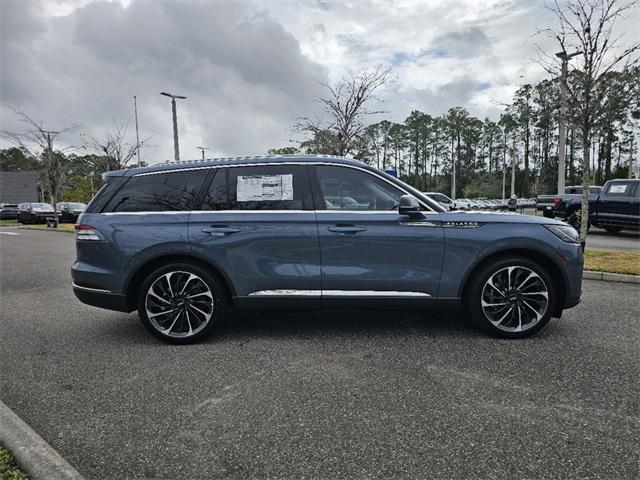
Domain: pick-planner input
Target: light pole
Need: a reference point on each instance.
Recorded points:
(562, 141)
(135, 109)
(203, 149)
(176, 148)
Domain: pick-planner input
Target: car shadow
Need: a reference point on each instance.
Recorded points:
(338, 323)
(632, 234)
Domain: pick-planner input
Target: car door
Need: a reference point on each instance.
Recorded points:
(618, 204)
(367, 248)
(257, 225)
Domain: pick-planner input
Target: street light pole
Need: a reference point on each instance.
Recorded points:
(135, 109)
(203, 149)
(176, 148)
(562, 141)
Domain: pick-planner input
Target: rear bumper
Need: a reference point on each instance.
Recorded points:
(102, 299)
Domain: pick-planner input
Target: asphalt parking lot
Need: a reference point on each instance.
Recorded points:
(627, 240)
(311, 395)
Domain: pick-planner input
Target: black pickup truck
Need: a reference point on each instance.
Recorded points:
(551, 205)
(615, 208)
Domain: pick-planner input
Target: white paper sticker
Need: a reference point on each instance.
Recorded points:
(618, 188)
(260, 188)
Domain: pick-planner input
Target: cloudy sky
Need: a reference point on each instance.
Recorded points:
(249, 68)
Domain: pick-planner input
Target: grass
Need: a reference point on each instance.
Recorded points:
(8, 222)
(612, 261)
(8, 469)
(65, 227)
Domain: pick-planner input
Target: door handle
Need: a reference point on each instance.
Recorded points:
(220, 230)
(349, 229)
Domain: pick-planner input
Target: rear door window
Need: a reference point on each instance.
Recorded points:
(620, 189)
(215, 198)
(172, 191)
(269, 187)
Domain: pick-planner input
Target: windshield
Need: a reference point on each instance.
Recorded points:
(41, 206)
(438, 197)
(77, 206)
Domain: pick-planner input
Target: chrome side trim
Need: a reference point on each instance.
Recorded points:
(239, 212)
(264, 212)
(89, 289)
(337, 293)
(172, 212)
(371, 293)
(420, 224)
(286, 293)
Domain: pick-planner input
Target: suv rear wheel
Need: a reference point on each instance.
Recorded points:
(512, 297)
(181, 303)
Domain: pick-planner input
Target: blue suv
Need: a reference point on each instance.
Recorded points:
(184, 242)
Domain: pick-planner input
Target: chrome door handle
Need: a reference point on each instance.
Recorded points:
(220, 231)
(350, 229)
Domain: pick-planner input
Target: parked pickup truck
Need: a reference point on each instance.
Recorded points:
(551, 205)
(615, 208)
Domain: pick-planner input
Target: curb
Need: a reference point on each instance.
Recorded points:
(610, 277)
(57, 230)
(32, 454)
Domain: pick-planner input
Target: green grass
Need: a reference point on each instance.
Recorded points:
(8, 222)
(612, 261)
(8, 469)
(65, 227)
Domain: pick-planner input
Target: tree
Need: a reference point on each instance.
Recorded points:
(283, 151)
(587, 26)
(346, 107)
(115, 153)
(18, 160)
(36, 136)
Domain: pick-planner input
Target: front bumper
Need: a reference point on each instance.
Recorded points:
(102, 298)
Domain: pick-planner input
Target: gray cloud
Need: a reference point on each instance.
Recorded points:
(464, 43)
(244, 75)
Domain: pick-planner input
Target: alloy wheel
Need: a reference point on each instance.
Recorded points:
(179, 304)
(515, 299)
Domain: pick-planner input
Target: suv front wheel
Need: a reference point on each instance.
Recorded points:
(181, 303)
(512, 298)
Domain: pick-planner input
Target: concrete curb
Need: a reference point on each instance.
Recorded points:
(32, 454)
(610, 277)
(57, 230)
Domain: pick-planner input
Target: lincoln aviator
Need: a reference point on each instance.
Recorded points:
(183, 243)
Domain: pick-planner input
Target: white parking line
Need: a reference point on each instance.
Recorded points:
(9, 233)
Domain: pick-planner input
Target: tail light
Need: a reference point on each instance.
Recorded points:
(556, 202)
(86, 232)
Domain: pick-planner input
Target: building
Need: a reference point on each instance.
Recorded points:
(18, 187)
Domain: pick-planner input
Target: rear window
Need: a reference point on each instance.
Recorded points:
(101, 198)
(620, 189)
(173, 191)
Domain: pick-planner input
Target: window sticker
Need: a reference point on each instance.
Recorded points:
(260, 188)
(622, 188)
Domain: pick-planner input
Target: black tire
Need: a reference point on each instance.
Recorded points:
(178, 335)
(613, 229)
(478, 286)
(548, 214)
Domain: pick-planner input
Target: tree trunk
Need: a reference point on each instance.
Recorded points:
(584, 225)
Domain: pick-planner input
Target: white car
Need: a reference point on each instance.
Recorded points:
(462, 204)
(441, 198)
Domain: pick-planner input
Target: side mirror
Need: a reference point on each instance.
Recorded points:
(409, 205)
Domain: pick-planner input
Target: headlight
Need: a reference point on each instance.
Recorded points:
(566, 233)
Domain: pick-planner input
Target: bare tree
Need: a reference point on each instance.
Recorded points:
(587, 27)
(346, 106)
(115, 153)
(35, 136)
